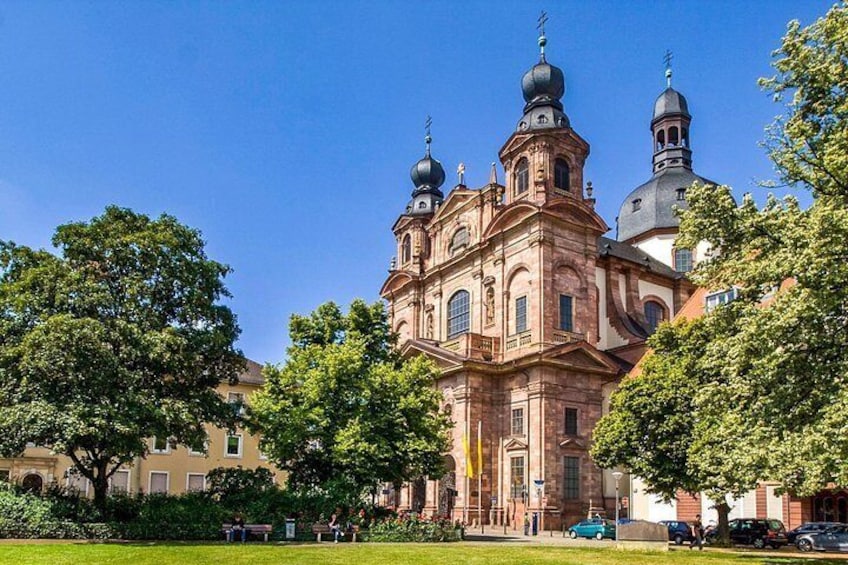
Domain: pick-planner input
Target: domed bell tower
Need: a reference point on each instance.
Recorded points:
(544, 158)
(670, 129)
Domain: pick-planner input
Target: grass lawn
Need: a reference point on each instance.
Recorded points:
(363, 554)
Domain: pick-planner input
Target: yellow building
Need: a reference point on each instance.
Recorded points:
(167, 468)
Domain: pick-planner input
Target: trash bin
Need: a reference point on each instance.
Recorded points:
(535, 523)
(290, 529)
(526, 525)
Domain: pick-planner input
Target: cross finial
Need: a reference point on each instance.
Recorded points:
(667, 60)
(460, 171)
(427, 139)
(543, 17)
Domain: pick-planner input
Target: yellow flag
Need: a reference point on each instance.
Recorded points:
(479, 447)
(469, 467)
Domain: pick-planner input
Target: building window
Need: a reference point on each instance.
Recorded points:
(566, 313)
(517, 421)
(571, 421)
(120, 481)
(654, 314)
(681, 194)
(161, 445)
(236, 400)
(716, 299)
(234, 445)
(195, 482)
(199, 452)
(406, 249)
(516, 477)
(571, 478)
(458, 314)
(521, 314)
(673, 135)
(561, 175)
(459, 241)
(682, 260)
(5, 474)
(158, 482)
(522, 176)
(76, 481)
(637, 204)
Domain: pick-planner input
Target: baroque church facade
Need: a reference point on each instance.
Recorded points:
(532, 314)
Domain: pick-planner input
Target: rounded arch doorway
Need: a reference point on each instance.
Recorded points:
(32, 483)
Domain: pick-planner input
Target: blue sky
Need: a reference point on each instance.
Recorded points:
(285, 131)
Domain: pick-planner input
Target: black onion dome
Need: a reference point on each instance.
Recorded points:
(543, 84)
(427, 173)
(670, 103)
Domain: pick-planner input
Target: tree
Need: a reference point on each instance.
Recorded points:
(118, 338)
(770, 400)
(345, 412)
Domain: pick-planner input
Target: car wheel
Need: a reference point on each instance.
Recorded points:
(804, 545)
(678, 539)
(572, 534)
(599, 535)
(759, 543)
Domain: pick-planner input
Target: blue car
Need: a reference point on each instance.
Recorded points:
(597, 528)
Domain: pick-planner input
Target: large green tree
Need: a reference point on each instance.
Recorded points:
(345, 412)
(770, 401)
(119, 337)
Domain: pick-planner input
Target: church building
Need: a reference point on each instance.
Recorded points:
(531, 312)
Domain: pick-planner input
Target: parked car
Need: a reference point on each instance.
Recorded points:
(597, 528)
(834, 538)
(809, 528)
(678, 532)
(754, 531)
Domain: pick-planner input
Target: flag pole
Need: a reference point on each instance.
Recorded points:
(480, 475)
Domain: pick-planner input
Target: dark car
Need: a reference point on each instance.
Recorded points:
(678, 532)
(834, 538)
(756, 532)
(809, 528)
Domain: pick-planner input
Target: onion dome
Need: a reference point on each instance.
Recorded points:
(427, 175)
(543, 86)
(428, 172)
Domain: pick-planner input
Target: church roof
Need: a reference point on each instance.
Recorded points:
(252, 374)
(613, 248)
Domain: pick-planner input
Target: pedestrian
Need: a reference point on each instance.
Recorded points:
(697, 533)
(237, 528)
(336, 528)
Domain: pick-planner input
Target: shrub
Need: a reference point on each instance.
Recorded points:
(413, 529)
(191, 516)
(25, 515)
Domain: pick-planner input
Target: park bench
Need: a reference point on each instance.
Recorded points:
(320, 529)
(252, 529)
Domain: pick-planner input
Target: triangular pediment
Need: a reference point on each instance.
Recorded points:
(454, 201)
(515, 445)
(443, 358)
(582, 355)
(573, 442)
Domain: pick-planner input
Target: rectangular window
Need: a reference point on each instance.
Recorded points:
(516, 477)
(571, 483)
(234, 445)
(76, 481)
(158, 482)
(161, 445)
(236, 400)
(199, 453)
(4, 475)
(518, 421)
(571, 421)
(566, 313)
(120, 481)
(520, 314)
(716, 299)
(195, 482)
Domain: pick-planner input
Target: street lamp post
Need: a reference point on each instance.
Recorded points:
(617, 476)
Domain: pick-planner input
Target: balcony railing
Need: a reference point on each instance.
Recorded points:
(474, 346)
(561, 336)
(519, 340)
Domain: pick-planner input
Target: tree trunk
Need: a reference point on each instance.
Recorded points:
(723, 509)
(101, 485)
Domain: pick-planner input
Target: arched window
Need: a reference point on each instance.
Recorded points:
(682, 260)
(522, 176)
(459, 241)
(684, 140)
(673, 135)
(406, 249)
(458, 314)
(561, 177)
(660, 139)
(637, 204)
(654, 314)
